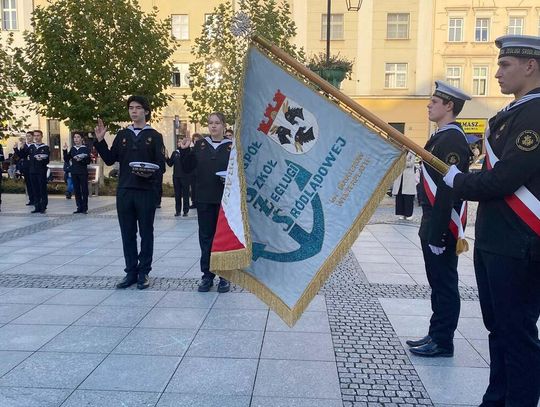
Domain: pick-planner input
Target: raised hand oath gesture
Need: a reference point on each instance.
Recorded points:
(100, 130)
(185, 143)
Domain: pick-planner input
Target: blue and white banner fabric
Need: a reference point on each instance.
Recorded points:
(313, 175)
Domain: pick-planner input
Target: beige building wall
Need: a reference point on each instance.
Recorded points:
(23, 15)
(426, 50)
(473, 51)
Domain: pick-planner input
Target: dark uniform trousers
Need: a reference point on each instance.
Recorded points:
(38, 182)
(442, 276)
(509, 291)
(207, 216)
(80, 187)
(181, 194)
(133, 205)
(28, 185)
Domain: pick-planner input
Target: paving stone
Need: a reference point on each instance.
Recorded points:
(93, 398)
(28, 397)
(27, 337)
(152, 341)
(113, 316)
(223, 375)
(79, 297)
(308, 322)
(9, 312)
(187, 300)
(53, 314)
(202, 400)
(298, 346)
(236, 319)
(52, 370)
(294, 402)
(27, 296)
(10, 359)
(227, 344)
(87, 339)
(187, 318)
(128, 372)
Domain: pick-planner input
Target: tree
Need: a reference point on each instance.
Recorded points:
(11, 120)
(85, 57)
(215, 75)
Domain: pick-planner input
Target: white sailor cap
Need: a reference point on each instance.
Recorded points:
(450, 93)
(520, 46)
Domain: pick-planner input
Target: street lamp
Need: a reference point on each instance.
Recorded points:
(352, 5)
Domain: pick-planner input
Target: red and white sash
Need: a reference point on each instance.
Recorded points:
(522, 202)
(457, 221)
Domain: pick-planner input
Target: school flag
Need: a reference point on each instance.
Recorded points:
(304, 178)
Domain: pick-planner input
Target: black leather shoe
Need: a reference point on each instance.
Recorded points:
(432, 350)
(35, 211)
(419, 342)
(224, 286)
(192, 206)
(177, 214)
(43, 210)
(30, 203)
(205, 284)
(143, 282)
(127, 281)
(77, 211)
(185, 214)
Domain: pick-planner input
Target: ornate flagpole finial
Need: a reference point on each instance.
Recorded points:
(241, 25)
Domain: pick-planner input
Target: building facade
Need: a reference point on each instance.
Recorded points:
(399, 48)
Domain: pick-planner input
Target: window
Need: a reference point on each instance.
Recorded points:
(453, 75)
(180, 76)
(397, 26)
(455, 30)
(480, 78)
(515, 26)
(180, 26)
(9, 14)
(481, 32)
(336, 27)
(395, 76)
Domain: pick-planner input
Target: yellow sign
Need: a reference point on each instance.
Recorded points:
(473, 126)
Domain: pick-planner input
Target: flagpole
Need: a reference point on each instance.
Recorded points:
(394, 134)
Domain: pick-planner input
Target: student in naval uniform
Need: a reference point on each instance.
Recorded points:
(181, 182)
(39, 158)
(23, 152)
(450, 145)
(208, 156)
(507, 244)
(79, 171)
(1, 161)
(135, 195)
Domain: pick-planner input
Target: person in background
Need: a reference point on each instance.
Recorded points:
(229, 133)
(1, 170)
(68, 179)
(79, 156)
(208, 156)
(404, 189)
(23, 152)
(181, 182)
(39, 158)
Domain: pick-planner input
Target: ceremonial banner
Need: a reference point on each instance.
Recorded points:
(310, 176)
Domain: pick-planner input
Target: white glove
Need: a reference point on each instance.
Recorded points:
(450, 175)
(437, 250)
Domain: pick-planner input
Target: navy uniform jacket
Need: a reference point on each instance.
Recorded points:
(515, 138)
(38, 166)
(451, 147)
(207, 160)
(78, 167)
(24, 155)
(175, 161)
(127, 147)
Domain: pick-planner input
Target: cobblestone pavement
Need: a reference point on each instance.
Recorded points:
(376, 298)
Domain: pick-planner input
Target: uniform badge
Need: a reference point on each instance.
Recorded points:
(229, 147)
(203, 145)
(528, 140)
(124, 142)
(452, 159)
(148, 140)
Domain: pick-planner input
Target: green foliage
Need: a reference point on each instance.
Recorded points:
(85, 57)
(10, 121)
(215, 77)
(318, 63)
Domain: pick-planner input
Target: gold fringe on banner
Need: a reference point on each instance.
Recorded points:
(290, 316)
